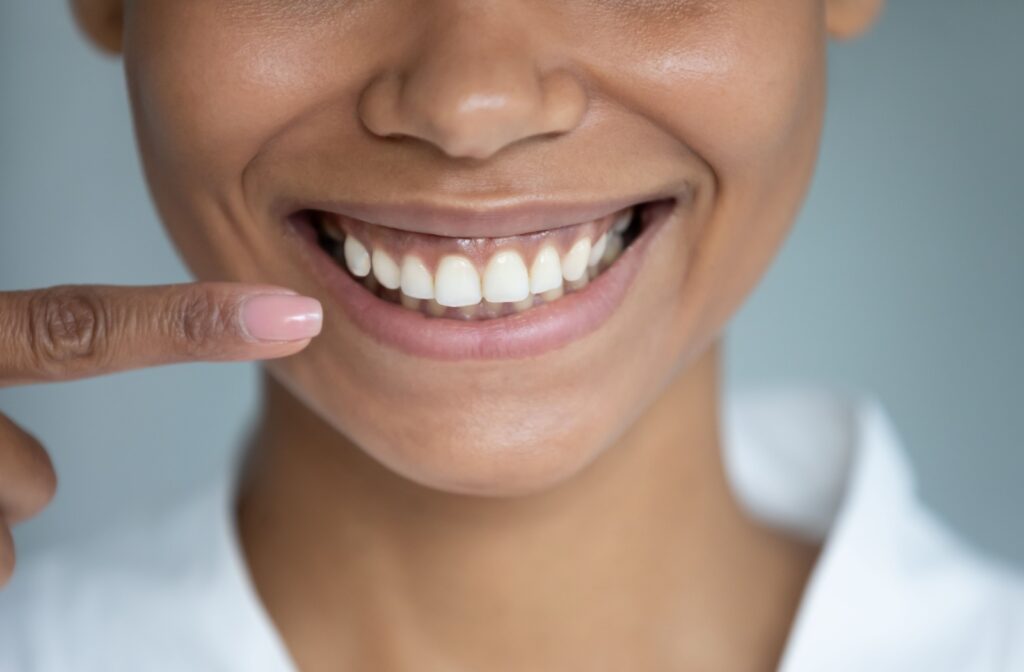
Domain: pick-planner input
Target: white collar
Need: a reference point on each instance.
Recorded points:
(894, 589)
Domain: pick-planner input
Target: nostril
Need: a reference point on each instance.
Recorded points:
(379, 107)
(567, 101)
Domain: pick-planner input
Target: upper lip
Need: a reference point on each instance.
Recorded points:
(490, 219)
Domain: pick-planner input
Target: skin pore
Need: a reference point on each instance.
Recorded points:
(562, 511)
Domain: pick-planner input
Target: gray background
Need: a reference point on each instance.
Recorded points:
(903, 277)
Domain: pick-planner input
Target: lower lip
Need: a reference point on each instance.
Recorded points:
(528, 334)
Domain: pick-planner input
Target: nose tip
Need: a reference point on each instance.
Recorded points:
(473, 104)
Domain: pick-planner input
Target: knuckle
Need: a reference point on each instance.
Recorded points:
(201, 320)
(67, 328)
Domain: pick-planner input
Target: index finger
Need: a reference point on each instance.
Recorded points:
(75, 331)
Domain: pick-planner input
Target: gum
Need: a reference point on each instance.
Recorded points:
(431, 249)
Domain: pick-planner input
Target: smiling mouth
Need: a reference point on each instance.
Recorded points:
(478, 279)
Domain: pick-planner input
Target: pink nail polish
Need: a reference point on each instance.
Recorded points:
(282, 317)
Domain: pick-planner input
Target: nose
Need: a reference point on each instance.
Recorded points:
(471, 88)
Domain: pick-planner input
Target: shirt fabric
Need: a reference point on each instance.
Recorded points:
(893, 590)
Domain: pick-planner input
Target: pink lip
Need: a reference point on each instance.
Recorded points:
(526, 334)
(512, 217)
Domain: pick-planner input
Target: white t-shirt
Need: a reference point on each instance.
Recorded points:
(893, 591)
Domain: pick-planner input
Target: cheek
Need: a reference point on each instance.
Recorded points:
(748, 102)
(206, 96)
(744, 93)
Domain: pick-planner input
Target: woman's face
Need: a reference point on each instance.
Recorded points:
(457, 135)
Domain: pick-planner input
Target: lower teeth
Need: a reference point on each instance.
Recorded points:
(485, 310)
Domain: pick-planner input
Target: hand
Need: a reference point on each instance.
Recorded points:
(69, 332)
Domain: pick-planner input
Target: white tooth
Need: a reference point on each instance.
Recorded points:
(574, 264)
(417, 283)
(622, 223)
(614, 249)
(435, 309)
(457, 283)
(386, 270)
(554, 294)
(596, 252)
(356, 257)
(506, 279)
(576, 285)
(525, 304)
(491, 310)
(546, 271)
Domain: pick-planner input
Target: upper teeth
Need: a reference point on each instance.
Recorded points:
(597, 251)
(574, 264)
(457, 282)
(386, 270)
(505, 279)
(417, 283)
(357, 258)
(546, 271)
(622, 223)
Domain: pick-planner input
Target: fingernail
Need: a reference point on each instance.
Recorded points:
(282, 317)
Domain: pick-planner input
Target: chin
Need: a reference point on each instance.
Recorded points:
(486, 449)
(496, 465)
(468, 434)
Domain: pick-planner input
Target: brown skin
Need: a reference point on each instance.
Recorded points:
(564, 512)
(71, 332)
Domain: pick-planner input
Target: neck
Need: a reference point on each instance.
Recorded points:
(641, 561)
